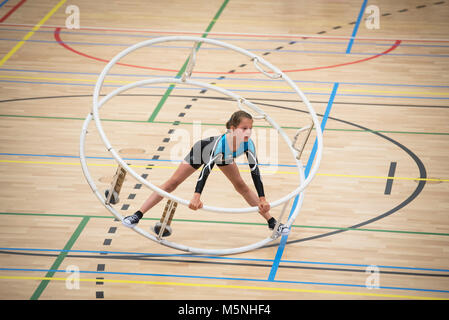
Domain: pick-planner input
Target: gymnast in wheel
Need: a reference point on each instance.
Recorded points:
(220, 150)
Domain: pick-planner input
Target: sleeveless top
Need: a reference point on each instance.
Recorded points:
(216, 150)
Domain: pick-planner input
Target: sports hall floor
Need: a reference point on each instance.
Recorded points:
(375, 219)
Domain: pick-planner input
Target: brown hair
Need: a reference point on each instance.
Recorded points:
(236, 117)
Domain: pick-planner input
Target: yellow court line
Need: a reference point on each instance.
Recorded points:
(224, 286)
(384, 178)
(30, 34)
(241, 170)
(233, 85)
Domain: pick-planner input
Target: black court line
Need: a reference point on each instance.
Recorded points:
(237, 264)
(414, 194)
(229, 99)
(112, 230)
(391, 172)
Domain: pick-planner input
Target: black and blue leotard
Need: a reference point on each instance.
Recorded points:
(215, 150)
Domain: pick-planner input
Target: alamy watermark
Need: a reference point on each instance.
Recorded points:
(373, 280)
(372, 22)
(266, 141)
(73, 20)
(72, 282)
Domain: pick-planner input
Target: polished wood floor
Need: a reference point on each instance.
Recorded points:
(374, 223)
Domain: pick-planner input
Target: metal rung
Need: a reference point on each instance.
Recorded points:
(167, 216)
(116, 184)
(191, 64)
(258, 67)
(295, 139)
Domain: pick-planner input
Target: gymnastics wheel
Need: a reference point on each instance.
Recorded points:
(260, 64)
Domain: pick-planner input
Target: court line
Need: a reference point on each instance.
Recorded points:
(230, 78)
(327, 89)
(241, 170)
(191, 123)
(303, 40)
(237, 90)
(255, 35)
(223, 286)
(227, 278)
(285, 51)
(174, 260)
(56, 264)
(356, 27)
(285, 41)
(308, 42)
(236, 223)
(190, 256)
(224, 99)
(31, 33)
(310, 161)
(233, 85)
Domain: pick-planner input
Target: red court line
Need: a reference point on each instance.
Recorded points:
(59, 40)
(10, 12)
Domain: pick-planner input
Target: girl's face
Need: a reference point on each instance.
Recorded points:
(243, 130)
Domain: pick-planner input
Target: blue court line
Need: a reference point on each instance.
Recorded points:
(310, 40)
(284, 238)
(126, 45)
(230, 78)
(224, 258)
(235, 90)
(356, 26)
(223, 278)
(281, 247)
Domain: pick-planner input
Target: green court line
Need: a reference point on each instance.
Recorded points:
(182, 70)
(231, 222)
(391, 131)
(60, 258)
(218, 124)
(296, 128)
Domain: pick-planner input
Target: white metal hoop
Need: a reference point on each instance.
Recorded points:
(303, 182)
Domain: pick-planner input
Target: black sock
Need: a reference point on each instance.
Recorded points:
(139, 214)
(271, 223)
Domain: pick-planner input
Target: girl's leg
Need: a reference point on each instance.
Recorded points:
(184, 171)
(231, 171)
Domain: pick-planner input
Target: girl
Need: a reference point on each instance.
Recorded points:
(220, 150)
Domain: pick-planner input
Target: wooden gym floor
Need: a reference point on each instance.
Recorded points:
(374, 223)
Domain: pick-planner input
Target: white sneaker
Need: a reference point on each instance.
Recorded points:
(131, 221)
(283, 229)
